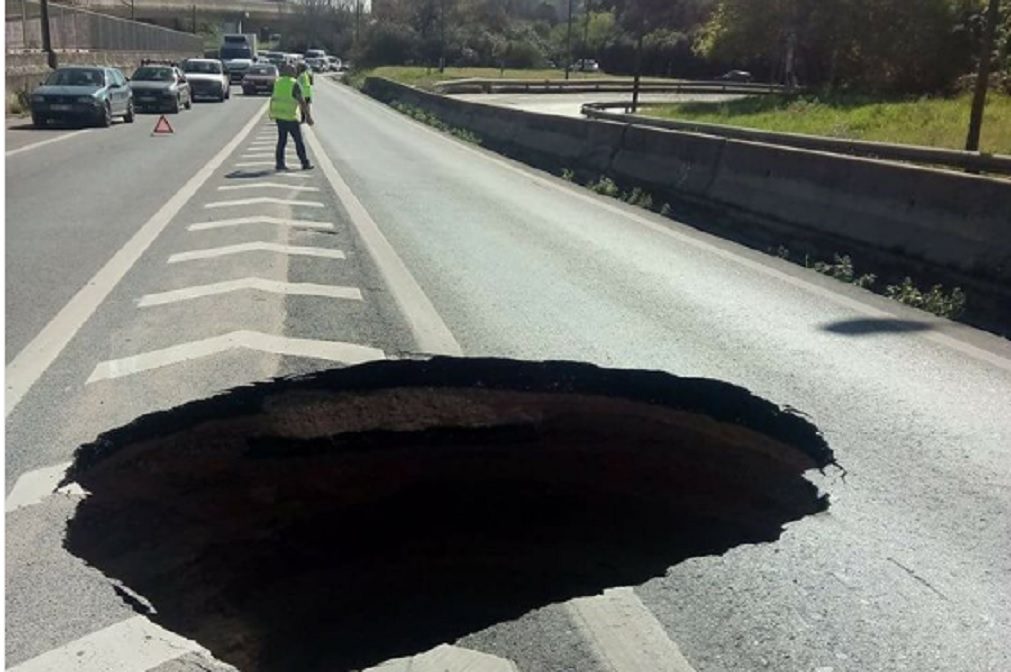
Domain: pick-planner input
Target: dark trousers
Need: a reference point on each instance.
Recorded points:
(285, 128)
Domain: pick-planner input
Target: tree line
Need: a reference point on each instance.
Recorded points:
(902, 46)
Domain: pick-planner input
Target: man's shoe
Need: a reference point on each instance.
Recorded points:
(281, 169)
(307, 166)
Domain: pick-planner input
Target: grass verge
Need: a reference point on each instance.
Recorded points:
(934, 122)
(426, 78)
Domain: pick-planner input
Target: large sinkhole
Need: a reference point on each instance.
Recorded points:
(337, 520)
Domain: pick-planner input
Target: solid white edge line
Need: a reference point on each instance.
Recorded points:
(42, 143)
(250, 164)
(132, 645)
(336, 351)
(447, 658)
(259, 219)
(258, 246)
(531, 173)
(623, 634)
(426, 325)
(33, 360)
(255, 284)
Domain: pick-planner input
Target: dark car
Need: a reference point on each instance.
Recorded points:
(82, 94)
(736, 76)
(259, 78)
(160, 88)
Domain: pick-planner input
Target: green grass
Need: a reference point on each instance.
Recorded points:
(425, 78)
(936, 122)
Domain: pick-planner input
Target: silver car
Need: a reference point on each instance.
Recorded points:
(160, 88)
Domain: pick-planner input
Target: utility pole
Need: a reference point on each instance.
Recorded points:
(358, 21)
(442, 36)
(47, 42)
(568, 43)
(638, 69)
(586, 29)
(194, 19)
(983, 78)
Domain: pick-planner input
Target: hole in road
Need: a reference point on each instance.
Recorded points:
(338, 520)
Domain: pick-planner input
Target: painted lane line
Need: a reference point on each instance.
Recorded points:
(950, 342)
(430, 332)
(260, 219)
(624, 635)
(36, 145)
(334, 351)
(268, 155)
(301, 176)
(259, 246)
(133, 645)
(264, 200)
(250, 164)
(29, 364)
(446, 658)
(266, 185)
(32, 487)
(256, 284)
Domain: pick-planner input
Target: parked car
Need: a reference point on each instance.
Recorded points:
(208, 79)
(160, 88)
(736, 76)
(82, 94)
(586, 65)
(259, 78)
(316, 64)
(335, 63)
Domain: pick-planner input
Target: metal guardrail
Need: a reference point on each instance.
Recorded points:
(589, 85)
(932, 156)
(74, 29)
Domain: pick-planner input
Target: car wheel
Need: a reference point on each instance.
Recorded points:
(189, 102)
(128, 117)
(106, 119)
(38, 120)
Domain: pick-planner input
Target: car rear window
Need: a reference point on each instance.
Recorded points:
(263, 70)
(149, 74)
(202, 67)
(77, 77)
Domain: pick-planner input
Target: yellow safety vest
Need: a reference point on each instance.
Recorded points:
(283, 105)
(305, 82)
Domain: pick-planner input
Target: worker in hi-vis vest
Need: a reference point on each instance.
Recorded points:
(287, 107)
(305, 81)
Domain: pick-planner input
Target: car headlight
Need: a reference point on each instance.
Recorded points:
(87, 99)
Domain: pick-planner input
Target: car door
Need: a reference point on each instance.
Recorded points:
(119, 92)
(183, 85)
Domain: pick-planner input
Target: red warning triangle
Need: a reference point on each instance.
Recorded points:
(162, 126)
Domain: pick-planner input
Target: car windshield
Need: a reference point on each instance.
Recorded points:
(77, 77)
(149, 74)
(202, 67)
(263, 70)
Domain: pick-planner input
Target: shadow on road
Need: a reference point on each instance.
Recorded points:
(868, 326)
(335, 521)
(249, 174)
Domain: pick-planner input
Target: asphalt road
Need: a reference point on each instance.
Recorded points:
(909, 569)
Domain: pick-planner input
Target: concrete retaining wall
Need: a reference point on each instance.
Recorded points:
(956, 221)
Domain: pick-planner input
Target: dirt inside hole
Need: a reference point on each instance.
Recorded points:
(338, 520)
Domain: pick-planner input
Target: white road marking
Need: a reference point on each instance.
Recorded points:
(257, 284)
(36, 145)
(335, 351)
(133, 645)
(258, 246)
(262, 200)
(429, 331)
(259, 219)
(29, 364)
(446, 658)
(302, 176)
(32, 487)
(953, 343)
(250, 164)
(291, 154)
(624, 635)
(265, 185)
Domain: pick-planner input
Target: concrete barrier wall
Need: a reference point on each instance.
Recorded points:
(956, 221)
